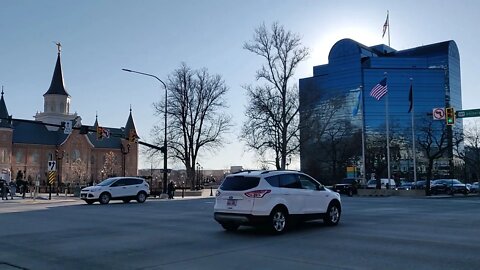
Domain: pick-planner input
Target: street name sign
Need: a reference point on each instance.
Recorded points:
(467, 113)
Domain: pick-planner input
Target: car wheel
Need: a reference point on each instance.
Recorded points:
(332, 216)
(141, 197)
(230, 226)
(89, 201)
(279, 220)
(104, 198)
(126, 200)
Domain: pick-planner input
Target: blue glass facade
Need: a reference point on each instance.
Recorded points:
(328, 98)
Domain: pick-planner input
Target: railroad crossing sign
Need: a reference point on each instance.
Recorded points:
(438, 113)
(52, 166)
(467, 113)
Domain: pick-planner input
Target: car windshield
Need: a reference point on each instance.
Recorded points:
(106, 182)
(370, 182)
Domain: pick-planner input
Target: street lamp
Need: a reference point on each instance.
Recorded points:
(165, 128)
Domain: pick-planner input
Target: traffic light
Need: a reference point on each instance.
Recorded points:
(99, 133)
(450, 116)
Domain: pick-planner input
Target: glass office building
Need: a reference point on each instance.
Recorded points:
(332, 129)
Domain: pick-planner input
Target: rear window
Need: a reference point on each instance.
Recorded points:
(239, 183)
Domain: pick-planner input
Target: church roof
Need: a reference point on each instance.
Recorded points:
(31, 132)
(57, 86)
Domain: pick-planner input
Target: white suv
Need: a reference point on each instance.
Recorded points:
(274, 198)
(117, 188)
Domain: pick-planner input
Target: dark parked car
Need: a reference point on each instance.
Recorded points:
(474, 187)
(448, 186)
(419, 184)
(347, 186)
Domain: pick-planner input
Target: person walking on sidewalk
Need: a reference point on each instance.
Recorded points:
(3, 189)
(171, 189)
(25, 187)
(13, 189)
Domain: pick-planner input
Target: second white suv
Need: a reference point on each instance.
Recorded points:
(274, 198)
(117, 188)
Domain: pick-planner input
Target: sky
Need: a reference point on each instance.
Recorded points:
(100, 37)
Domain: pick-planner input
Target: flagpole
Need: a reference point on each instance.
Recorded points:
(413, 136)
(388, 26)
(388, 133)
(364, 167)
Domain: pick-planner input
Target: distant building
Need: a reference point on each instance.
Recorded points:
(331, 131)
(26, 146)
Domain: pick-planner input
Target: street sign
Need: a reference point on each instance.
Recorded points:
(438, 113)
(51, 177)
(467, 113)
(68, 127)
(52, 165)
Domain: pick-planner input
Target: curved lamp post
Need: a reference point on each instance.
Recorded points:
(165, 128)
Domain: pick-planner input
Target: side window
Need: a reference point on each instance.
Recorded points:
(308, 183)
(274, 181)
(290, 181)
(120, 183)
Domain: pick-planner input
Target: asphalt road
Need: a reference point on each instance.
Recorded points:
(374, 233)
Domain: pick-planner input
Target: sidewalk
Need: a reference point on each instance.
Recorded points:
(42, 198)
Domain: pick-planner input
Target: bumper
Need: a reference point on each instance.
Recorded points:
(88, 196)
(241, 219)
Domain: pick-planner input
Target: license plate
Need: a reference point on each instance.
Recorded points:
(231, 202)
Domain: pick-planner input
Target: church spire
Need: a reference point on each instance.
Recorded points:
(130, 125)
(4, 113)
(57, 87)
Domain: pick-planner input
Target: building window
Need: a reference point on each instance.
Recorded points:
(19, 156)
(75, 155)
(4, 155)
(35, 157)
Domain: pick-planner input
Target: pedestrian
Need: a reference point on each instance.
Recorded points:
(25, 187)
(13, 189)
(3, 189)
(171, 189)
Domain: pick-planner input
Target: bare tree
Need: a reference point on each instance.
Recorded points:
(471, 151)
(272, 123)
(434, 143)
(79, 169)
(111, 164)
(196, 119)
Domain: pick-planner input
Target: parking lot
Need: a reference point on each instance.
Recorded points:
(374, 233)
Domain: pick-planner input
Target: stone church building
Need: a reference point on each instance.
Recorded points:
(81, 157)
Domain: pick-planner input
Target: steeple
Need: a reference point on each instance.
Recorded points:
(96, 122)
(56, 101)
(4, 123)
(130, 125)
(57, 86)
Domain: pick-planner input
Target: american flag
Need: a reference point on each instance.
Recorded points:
(385, 26)
(379, 90)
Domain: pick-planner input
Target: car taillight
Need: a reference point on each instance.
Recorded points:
(257, 193)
